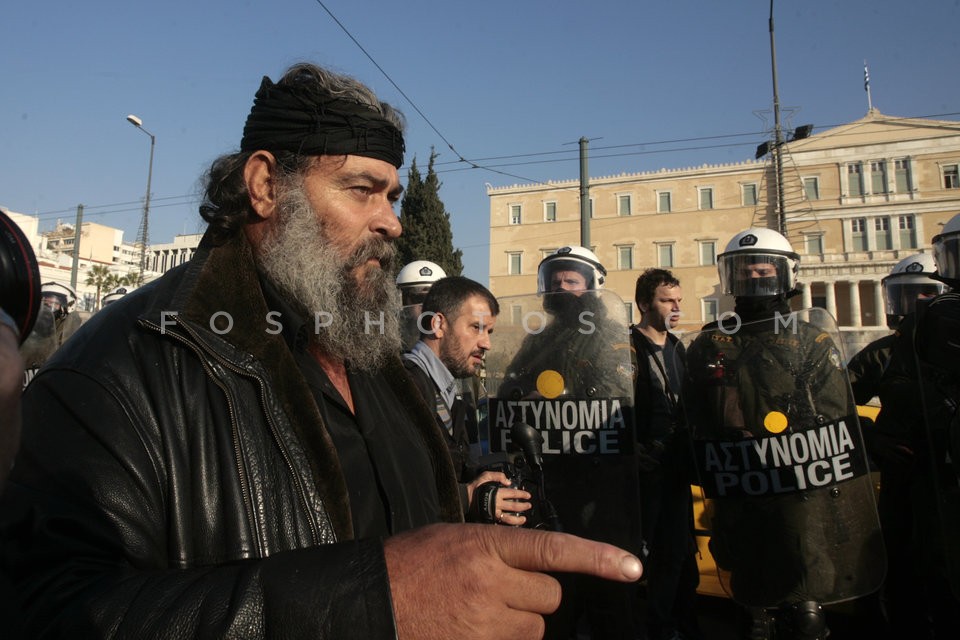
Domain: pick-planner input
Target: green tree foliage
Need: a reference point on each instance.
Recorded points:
(100, 277)
(426, 223)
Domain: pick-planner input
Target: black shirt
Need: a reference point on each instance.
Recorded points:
(388, 473)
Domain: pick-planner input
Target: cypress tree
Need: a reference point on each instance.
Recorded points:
(426, 223)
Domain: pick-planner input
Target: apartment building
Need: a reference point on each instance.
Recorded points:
(857, 198)
(100, 245)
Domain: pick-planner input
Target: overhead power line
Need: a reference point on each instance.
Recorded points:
(187, 199)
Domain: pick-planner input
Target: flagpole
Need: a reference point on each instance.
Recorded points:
(866, 86)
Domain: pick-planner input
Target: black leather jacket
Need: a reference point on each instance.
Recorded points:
(176, 481)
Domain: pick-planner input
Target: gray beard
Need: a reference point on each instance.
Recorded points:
(361, 317)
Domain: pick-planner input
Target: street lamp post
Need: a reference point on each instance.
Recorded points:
(145, 222)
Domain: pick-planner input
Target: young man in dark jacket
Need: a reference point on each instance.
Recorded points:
(234, 450)
(666, 507)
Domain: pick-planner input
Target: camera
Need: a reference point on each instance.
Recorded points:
(19, 277)
(521, 476)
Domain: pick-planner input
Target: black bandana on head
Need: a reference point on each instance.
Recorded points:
(303, 120)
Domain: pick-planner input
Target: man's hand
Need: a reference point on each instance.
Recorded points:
(509, 504)
(474, 581)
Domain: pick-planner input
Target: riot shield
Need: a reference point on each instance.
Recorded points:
(937, 351)
(781, 461)
(40, 344)
(409, 332)
(561, 364)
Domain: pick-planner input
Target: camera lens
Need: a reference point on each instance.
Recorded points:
(19, 276)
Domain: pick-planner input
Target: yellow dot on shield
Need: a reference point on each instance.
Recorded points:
(550, 384)
(775, 422)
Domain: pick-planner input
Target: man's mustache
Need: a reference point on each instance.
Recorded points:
(376, 248)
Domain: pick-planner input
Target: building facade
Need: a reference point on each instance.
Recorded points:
(856, 199)
(99, 246)
(163, 257)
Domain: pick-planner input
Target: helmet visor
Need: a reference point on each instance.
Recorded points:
(946, 253)
(565, 274)
(756, 274)
(902, 295)
(414, 294)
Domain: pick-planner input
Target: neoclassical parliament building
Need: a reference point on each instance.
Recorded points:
(854, 200)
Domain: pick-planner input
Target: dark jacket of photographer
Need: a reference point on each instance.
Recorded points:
(180, 482)
(458, 442)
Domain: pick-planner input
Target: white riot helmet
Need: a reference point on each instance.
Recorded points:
(114, 295)
(415, 280)
(946, 251)
(758, 262)
(61, 298)
(909, 280)
(577, 259)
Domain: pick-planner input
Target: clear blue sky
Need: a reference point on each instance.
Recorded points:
(522, 79)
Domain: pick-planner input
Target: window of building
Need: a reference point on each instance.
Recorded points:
(709, 309)
(951, 176)
(814, 243)
(628, 310)
(623, 205)
(590, 205)
(665, 255)
(878, 177)
(811, 188)
(514, 263)
(663, 202)
(708, 252)
(547, 252)
(901, 174)
(625, 258)
(908, 232)
(855, 179)
(516, 314)
(858, 231)
(749, 194)
(884, 239)
(549, 211)
(515, 210)
(706, 197)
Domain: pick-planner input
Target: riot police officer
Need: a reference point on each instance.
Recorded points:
(572, 342)
(414, 281)
(61, 299)
(921, 395)
(113, 296)
(795, 529)
(56, 321)
(576, 363)
(911, 279)
(900, 608)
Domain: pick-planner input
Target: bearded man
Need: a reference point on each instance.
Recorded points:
(456, 322)
(234, 450)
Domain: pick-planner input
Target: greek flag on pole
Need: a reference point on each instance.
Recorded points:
(866, 78)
